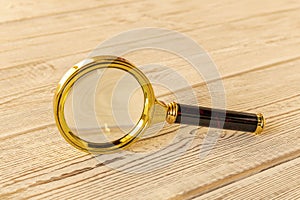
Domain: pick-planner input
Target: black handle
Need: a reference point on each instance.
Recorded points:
(232, 120)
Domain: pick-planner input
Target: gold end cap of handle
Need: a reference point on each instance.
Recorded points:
(261, 122)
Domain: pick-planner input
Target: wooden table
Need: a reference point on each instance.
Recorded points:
(255, 46)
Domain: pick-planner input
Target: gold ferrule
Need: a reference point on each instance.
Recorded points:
(261, 122)
(172, 112)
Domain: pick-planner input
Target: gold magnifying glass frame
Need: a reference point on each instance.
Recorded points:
(84, 67)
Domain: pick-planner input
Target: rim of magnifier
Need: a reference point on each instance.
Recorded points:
(79, 70)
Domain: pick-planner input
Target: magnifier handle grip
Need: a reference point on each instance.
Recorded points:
(217, 118)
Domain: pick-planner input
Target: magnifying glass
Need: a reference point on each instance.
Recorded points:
(105, 103)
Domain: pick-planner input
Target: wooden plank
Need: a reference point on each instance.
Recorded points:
(65, 31)
(15, 11)
(283, 180)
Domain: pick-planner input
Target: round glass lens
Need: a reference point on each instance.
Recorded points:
(104, 105)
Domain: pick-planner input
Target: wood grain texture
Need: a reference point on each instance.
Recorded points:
(258, 186)
(255, 45)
